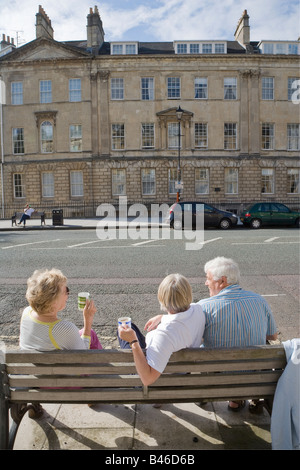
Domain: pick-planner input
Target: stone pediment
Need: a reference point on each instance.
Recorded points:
(167, 115)
(44, 49)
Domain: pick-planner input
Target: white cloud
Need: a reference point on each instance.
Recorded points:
(158, 20)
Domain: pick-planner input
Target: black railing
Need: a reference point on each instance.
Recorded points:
(77, 209)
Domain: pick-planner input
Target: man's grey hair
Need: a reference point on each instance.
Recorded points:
(221, 266)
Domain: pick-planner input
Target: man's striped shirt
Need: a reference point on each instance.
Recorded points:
(236, 317)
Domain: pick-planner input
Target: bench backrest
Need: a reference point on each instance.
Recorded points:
(109, 376)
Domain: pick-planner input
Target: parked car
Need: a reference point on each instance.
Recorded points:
(269, 213)
(212, 217)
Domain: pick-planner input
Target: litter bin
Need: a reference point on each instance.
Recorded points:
(57, 217)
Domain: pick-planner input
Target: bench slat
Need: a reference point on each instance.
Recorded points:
(116, 355)
(184, 380)
(136, 395)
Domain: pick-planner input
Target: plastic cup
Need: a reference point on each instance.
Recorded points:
(82, 297)
(124, 321)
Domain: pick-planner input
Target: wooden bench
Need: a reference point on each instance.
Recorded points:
(109, 376)
(35, 215)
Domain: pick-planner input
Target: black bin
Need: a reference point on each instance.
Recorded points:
(57, 217)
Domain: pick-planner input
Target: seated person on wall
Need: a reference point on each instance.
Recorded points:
(41, 329)
(181, 328)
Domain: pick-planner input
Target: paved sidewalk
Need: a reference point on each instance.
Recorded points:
(182, 427)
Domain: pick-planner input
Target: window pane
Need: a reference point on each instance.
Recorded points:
(148, 181)
(173, 87)
(45, 91)
(201, 181)
(17, 93)
(76, 178)
(173, 178)
(75, 89)
(118, 182)
(267, 136)
(267, 88)
(19, 190)
(18, 140)
(47, 185)
(293, 132)
(231, 180)
(201, 88)
(229, 88)
(75, 139)
(46, 137)
(173, 135)
(117, 89)
(118, 137)
(293, 180)
(230, 140)
(147, 88)
(267, 186)
(200, 135)
(148, 135)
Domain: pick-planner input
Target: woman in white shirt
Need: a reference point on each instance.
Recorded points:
(41, 329)
(182, 327)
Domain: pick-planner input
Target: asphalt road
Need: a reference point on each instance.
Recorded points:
(123, 274)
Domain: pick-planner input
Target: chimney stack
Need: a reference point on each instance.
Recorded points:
(95, 32)
(43, 25)
(242, 32)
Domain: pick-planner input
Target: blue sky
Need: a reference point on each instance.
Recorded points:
(154, 20)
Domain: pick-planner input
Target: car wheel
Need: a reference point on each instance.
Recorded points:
(177, 224)
(225, 224)
(255, 223)
(297, 223)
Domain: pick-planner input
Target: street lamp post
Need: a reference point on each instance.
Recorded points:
(179, 113)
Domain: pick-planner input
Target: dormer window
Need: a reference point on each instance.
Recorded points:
(123, 48)
(200, 47)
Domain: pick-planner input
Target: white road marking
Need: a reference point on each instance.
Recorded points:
(29, 243)
(143, 243)
(271, 239)
(88, 243)
(209, 241)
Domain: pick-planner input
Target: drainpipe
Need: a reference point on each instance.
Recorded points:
(2, 99)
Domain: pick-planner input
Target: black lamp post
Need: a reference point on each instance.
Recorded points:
(179, 113)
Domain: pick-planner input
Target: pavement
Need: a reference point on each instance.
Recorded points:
(182, 429)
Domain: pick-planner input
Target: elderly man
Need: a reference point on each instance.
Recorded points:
(233, 316)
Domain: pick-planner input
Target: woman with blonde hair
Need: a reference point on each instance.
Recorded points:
(182, 327)
(41, 329)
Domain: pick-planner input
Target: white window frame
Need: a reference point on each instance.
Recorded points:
(267, 136)
(231, 177)
(47, 184)
(45, 142)
(267, 180)
(76, 183)
(200, 85)
(19, 187)
(45, 91)
(17, 139)
(230, 88)
(293, 137)
(74, 90)
(117, 88)
(75, 137)
(148, 181)
(201, 136)
(173, 135)
(147, 88)
(174, 88)
(118, 182)
(267, 88)
(16, 93)
(201, 180)
(230, 136)
(118, 136)
(148, 135)
(293, 181)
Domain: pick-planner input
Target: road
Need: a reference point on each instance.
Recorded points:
(123, 274)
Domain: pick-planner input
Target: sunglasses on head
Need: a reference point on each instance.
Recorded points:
(67, 290)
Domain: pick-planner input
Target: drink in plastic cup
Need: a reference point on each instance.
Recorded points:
(124, 321)
(82, 297)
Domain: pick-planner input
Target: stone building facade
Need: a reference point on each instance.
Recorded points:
(84, 122)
